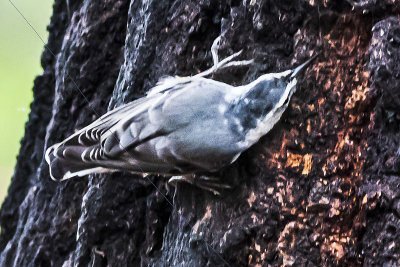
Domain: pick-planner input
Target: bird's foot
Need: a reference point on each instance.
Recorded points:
(210, 183)
(225, 63)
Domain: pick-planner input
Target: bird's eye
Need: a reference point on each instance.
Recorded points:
(268, 107)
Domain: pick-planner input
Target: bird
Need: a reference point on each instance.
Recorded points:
(184, 127)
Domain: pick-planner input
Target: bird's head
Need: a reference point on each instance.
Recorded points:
(266, 92)
(272, 90)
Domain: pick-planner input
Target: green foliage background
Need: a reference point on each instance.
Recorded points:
(20, 51)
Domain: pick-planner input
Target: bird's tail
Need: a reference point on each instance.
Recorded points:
(302, 66)
(70, 159)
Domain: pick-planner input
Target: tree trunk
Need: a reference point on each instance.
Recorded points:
(322, 188)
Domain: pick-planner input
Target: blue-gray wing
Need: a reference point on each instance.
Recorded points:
(169, 131)
(186, 130)
(204, 135)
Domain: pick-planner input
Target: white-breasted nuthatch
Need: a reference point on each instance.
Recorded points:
(183, 126)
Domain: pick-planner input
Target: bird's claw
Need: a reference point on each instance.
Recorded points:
(209, 183)
(225, 63)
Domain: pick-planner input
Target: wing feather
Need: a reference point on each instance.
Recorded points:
(110, 135)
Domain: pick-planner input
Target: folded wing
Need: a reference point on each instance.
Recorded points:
(179, 127)
(96, 147)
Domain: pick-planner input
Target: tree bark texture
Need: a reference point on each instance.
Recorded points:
(321, 189)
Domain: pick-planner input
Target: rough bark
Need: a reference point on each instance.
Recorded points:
(322, 188)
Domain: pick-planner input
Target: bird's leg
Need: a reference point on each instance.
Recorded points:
(206, 182)
(181, 178)
(225, 63)
(210, 183)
